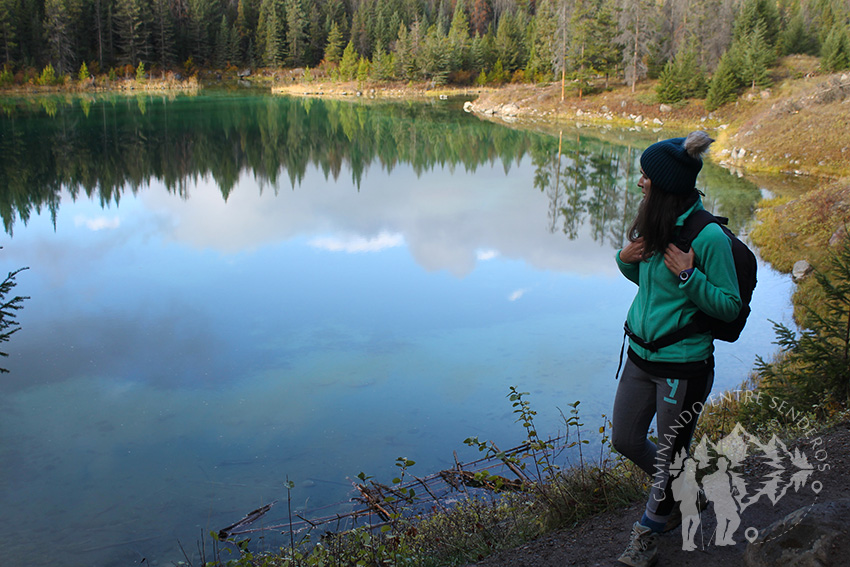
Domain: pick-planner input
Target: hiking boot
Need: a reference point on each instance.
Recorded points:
(643, 547)
(675, 519)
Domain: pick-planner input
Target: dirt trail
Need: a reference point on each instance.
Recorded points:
(600, 540)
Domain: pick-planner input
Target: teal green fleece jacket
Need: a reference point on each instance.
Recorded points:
(664, 304)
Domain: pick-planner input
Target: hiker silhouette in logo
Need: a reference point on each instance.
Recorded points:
(720, 490)
(686, 491)
(669, 370)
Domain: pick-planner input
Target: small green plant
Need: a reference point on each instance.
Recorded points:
(47, 77)
(140, 72)
(6, 76)
(83, 75)
(814, 369)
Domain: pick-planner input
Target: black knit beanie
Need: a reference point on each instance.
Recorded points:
(673, 165)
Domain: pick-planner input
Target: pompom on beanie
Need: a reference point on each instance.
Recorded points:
(673, 165)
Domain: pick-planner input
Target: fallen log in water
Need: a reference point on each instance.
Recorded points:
(247, 520)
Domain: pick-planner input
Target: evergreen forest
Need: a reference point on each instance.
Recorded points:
(697, 48)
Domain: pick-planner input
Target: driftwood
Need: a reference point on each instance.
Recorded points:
(386, 502)
(249, 519)
(490, 482)
(373, 498)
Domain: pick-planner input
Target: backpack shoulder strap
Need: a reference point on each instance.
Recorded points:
(693, 225)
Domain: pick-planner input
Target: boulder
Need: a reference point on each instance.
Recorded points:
(665, 108)
(801, 270)
(813, 536)
(509, 109)
(837, 236)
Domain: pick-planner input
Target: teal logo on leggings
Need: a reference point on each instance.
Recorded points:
(674, 385)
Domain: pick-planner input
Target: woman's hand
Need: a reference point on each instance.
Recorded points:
(676, 260)
(633, 252)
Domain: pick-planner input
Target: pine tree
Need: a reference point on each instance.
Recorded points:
(510, 46)
(58, 34)
(607, 53)
(796, 37)
(361, 28)
(203, 19)
(296, 32)
(753, 13)
(815, 367)
(756, 58)
(724, 83)
(315, 36)
(682, 78)
(333, 50)
(407, 52)
(458, 39)
(542, 42)
(245, 28)
(348, 63)
(434, 57)
(163, 33)
(363, 67)
(8, 32)
(222, 44)
(669, 88)
(581, 45)
(382, 64)
(835, 53)
(270, 32)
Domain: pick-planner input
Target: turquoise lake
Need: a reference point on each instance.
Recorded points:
(229, 290)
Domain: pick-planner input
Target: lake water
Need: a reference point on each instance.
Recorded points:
(231, 290)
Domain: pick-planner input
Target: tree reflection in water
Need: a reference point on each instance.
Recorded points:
(103, 146)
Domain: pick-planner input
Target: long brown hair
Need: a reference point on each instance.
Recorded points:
(656, 218)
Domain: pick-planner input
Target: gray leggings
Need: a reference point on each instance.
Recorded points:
(677, 402)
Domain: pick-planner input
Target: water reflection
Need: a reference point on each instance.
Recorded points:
(228, 290)
(104, 147)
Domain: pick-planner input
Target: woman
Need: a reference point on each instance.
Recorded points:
(673, 381)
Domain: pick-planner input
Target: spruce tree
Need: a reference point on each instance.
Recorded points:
(163, 33)
(669, 88)
(348, 63)
(222, 44)
(458, 39)
(296, 32)
(333, 50)
(363, 68)
(835, 54)
(434, 57)
(756, 58)
(57, 31)
(270, 32)
(815, 368)
(724, 84)
(796, 38)
(542, 42)
(8, 32)
(382, 64)
(682, 78)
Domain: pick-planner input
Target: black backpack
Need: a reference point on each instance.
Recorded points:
(745, 268)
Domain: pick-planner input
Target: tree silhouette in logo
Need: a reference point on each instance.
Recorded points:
(719, 464)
